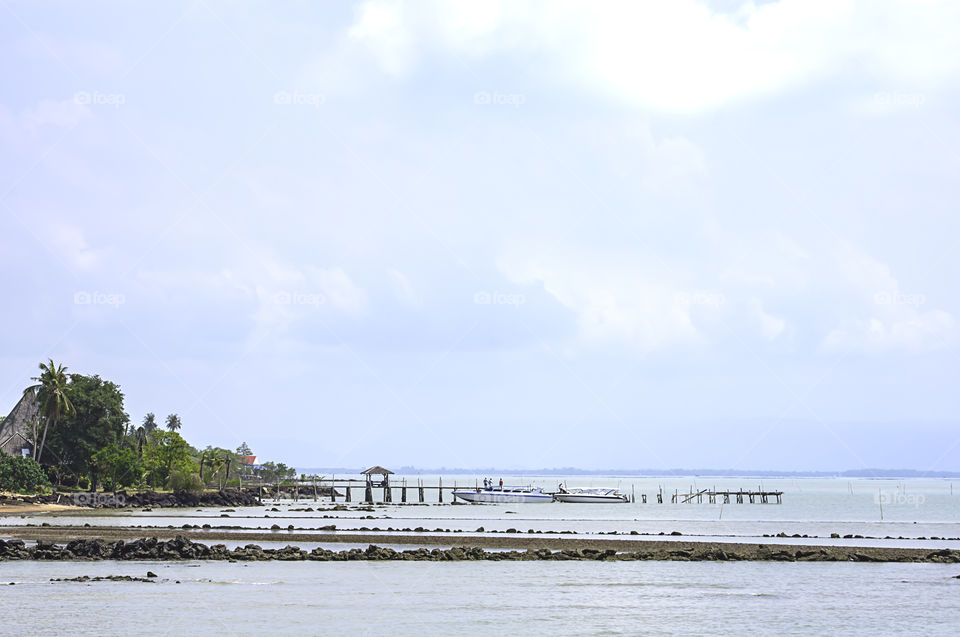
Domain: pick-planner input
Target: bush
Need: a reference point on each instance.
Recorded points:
(21, 474)
(84, 483)
(181, 480)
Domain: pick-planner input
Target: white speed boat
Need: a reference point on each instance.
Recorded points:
(589, 495)
(503, 494)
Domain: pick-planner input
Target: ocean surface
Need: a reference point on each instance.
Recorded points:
(483, 598)
(529, 598)
(816, 507)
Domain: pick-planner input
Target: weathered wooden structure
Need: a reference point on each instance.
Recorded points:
(384, 491)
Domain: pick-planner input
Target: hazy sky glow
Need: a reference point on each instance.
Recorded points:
(519, 234)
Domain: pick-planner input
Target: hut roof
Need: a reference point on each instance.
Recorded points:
(378, 470)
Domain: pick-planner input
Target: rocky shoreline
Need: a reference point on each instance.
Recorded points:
(182, 548)
(123, 499)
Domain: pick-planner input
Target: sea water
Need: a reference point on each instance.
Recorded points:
(811, 506)
(483, 598)
(527, 598)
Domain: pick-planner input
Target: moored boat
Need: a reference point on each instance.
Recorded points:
(504, 494)
(589, 495)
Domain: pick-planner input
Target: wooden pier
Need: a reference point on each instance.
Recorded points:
(383, 491)
(727, 497)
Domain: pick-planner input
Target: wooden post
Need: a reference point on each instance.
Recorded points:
(369, 492)
(403, 492)
(348, 492)
(420, 488)
(440, 490)
(633, 493)
(643, 497)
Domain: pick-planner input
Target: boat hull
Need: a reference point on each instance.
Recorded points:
(499, 497)
(589, 499)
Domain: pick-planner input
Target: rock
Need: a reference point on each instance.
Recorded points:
(151, 574)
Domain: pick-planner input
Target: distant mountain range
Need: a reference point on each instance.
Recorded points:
(573, 471)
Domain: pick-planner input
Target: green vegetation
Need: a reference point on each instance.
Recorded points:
(51, 393)
(173, 422)
(167, 453)
(97, 421)
(184, 480)
(83, 439)
(21, 474)
(117, 468)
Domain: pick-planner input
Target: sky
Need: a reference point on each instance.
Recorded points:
(513, 234)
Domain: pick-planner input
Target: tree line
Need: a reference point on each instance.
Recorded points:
(82, 438)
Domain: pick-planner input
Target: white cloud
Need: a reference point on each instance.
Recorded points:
(896, 318)
(616, 303)
(673, 56)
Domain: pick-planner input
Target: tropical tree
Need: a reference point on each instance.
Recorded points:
(116, 467)
(98, 420)
(141, 433)
(217, 463)
(51, 394)
(169, 452)
(149, 422)
(173, 422)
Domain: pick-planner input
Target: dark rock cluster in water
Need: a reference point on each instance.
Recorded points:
(104, 578)
(181, 548)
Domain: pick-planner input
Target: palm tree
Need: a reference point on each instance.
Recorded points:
(50, 392)
(150, 422)
(141, 439)
(173, 422)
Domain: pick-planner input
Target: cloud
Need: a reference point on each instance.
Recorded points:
(895, 318)
(617, 303)
(673, 56)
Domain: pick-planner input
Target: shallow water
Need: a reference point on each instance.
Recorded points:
(527, 598)
(813, 507)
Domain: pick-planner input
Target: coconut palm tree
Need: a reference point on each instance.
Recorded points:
(173, 422)
(141, 433)
(50, 392)
(150, 422)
